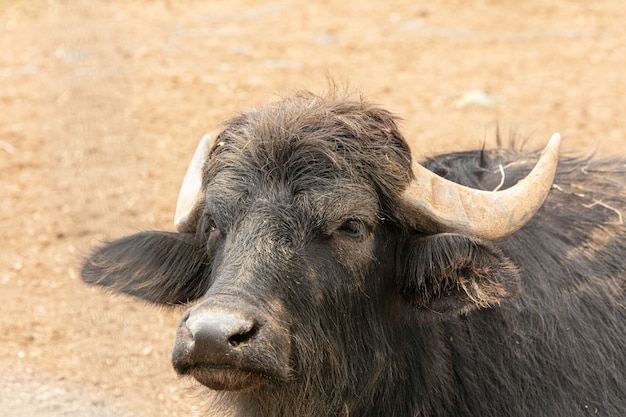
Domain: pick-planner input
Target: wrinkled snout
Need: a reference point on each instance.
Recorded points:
(228, 348)
(217, 334)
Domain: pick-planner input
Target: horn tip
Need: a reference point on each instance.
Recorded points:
(554, 141)
(190, 192)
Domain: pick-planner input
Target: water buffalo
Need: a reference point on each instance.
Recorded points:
(334, 277)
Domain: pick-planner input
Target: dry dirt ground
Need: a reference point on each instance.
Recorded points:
(102, 104)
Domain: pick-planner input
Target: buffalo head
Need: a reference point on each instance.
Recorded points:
(313, 246)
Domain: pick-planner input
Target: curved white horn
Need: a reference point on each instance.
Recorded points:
(190, 196)
(434, 204)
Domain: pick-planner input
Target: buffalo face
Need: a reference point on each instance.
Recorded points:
(305, 268)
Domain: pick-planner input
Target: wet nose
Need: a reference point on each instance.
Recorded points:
(228, 348)
(216, 334)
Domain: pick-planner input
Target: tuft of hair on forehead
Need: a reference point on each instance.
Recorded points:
(324, 136)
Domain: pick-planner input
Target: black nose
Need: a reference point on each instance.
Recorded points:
(227, 348)
(214, 337)
(216, 333)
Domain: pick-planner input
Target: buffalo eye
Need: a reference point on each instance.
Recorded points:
(353, 228)
(209, 228)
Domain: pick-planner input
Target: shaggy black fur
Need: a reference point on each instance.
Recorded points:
(358, 315)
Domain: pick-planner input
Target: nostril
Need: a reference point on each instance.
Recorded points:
(217, 332)
(243, 338)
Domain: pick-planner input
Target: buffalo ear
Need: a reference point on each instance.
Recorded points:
(453, 274)
(160, 267)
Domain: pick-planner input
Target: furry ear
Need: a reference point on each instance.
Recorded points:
(160, 267)
(453, 274)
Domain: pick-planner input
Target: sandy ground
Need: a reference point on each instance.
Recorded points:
(102, 104)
